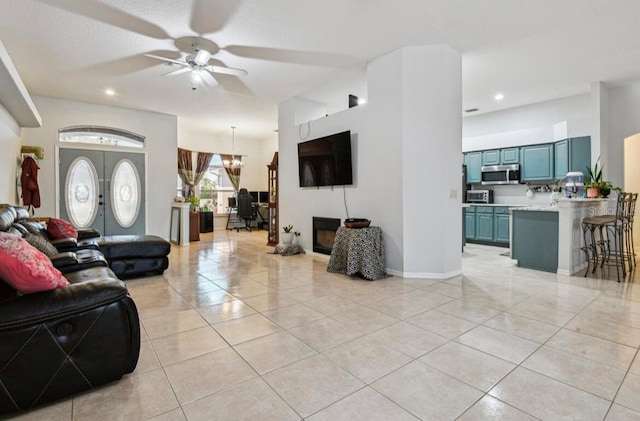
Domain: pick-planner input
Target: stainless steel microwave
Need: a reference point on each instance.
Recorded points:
(479, 196)
(501, 174)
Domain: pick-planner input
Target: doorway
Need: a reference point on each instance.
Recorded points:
(104, 190)
(632, 172)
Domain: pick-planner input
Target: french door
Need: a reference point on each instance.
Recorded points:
(103, 190)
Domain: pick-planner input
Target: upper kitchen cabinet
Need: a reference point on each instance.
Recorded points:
(501, 156)
(491, 157)
(473, 161)
(509, 156)
(536, 163)
(572, 155)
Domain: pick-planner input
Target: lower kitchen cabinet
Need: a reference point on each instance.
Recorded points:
(470, 223)
(487, 225)
(484, 223)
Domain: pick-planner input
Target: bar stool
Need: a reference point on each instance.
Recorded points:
(598, 248)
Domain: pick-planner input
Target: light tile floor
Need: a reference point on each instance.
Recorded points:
(231, 332)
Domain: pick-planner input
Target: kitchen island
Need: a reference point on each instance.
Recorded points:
(538, 233)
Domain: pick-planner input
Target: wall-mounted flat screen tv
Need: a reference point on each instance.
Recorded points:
(326, 161)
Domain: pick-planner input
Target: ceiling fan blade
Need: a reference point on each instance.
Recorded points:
(227, 70)
(211, 16)
(208, 78)
(313, 58)
(110, 15)
(177, 72)
(170, 60)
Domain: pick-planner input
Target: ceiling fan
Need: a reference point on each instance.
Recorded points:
(198, 65)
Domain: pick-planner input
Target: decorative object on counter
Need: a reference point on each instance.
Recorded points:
(553, 200)
(357, 223)
(596, 187)
(178, 199)
(529, 193)
(574, 185)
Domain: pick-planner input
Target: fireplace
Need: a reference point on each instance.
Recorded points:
(324, 232)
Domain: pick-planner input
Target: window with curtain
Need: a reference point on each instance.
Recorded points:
(215, 187)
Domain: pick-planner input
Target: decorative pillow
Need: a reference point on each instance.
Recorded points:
(25, 268)
(59, 228)
(41, 244)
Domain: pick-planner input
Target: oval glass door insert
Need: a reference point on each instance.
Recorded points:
(125, 193)
(81, 185)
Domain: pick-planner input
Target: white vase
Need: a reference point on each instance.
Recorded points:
(287, 238)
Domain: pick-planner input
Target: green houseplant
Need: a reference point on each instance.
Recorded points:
(288, 234)
(195, 203)
(594, 183)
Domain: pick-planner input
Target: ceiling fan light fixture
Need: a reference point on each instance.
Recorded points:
(202, 57)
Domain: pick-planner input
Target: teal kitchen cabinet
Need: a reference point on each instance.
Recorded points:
(572, 155)
(561, 155)
(501, 156)
(501, 225)
(474, 167)
(491, 157)
(536, 163)
(509, 156)
(484, 223)
(470, 223)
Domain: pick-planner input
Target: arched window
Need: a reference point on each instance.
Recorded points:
(97, 135)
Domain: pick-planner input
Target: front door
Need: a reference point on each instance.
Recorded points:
(103, 190)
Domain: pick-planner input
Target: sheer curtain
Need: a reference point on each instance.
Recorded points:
(185, 167)
(233, 172)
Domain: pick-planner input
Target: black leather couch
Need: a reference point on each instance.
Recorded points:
(60, 342)
(129, 256)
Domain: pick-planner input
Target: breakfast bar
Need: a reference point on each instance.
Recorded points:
(540, 233)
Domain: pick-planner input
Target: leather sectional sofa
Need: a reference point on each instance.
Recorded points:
(73, 338)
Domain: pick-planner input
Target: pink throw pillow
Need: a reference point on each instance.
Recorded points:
(59, 229)
(25, 268)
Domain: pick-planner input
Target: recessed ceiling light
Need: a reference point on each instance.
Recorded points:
(471, 110)
(109, 92)
(498, 96)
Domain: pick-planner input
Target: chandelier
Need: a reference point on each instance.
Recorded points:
(234, 162)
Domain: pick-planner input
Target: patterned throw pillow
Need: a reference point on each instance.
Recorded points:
(41, 244)
(25, 268)
(59, 229)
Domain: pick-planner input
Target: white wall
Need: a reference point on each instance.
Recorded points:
(527, 125)
(623, 121)
(408, 132)
(10, 156)
(160, 131)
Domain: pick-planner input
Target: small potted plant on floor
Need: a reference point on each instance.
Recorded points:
(288, 234)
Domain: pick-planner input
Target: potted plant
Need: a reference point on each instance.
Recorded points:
(605, 189)
(195, 203)
(288, 234)
(595, 180)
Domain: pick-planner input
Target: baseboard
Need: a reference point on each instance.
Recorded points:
(425, 275)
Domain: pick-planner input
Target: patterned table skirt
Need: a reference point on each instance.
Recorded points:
(358, 251)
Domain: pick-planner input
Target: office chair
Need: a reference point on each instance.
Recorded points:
(245, 209)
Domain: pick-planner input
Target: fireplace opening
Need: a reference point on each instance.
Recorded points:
(324, 233)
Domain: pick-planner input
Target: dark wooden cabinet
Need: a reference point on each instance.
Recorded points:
(194, 226)
(206, 221)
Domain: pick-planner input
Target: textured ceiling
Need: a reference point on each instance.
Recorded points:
(530, 50)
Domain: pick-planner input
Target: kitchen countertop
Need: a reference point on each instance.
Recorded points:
(540, 208)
